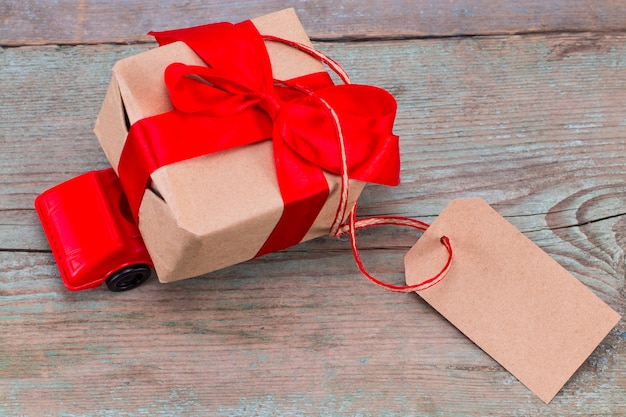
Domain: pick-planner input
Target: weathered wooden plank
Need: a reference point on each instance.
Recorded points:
(535, 131)
(92, 21)
(533, 124)
(270, 337)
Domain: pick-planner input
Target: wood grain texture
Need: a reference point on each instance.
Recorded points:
(534, 124)
(92, 21)
(270, 337)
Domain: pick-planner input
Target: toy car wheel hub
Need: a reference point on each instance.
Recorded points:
(128, 278)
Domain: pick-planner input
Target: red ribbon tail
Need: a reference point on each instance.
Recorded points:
(304, 190)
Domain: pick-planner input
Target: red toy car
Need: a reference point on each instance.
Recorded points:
(92, 234)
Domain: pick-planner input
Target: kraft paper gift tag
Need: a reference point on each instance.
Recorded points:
(509, 297)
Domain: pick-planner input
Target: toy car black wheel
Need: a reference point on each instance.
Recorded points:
(128, 278)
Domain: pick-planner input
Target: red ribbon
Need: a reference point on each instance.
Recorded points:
(236, 101)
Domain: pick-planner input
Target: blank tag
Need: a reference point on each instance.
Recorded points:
(509, 297)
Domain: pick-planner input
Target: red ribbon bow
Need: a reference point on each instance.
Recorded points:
(235, 101)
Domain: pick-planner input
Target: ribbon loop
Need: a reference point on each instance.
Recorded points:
(196, 89)
(365, 115)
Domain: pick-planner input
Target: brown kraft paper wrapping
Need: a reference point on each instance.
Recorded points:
(215, 210)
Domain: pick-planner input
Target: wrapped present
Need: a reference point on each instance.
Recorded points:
(230, 142)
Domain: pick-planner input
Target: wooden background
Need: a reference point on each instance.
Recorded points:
(520, 103)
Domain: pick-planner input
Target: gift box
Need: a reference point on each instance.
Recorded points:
(214, 210)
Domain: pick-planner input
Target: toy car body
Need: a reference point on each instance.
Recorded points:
(92, 234)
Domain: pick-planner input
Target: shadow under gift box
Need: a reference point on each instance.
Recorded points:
(216, 210)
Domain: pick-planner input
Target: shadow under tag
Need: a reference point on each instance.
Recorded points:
(509, 297)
